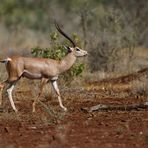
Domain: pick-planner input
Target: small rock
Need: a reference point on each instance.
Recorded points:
(6, 129)
(32, 128)
(140, 133)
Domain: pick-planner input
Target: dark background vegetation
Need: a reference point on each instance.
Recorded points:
(114, 32)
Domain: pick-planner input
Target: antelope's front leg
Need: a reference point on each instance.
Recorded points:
(43, 82)
(55, 86)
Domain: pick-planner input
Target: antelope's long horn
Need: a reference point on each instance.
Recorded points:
(64, 34)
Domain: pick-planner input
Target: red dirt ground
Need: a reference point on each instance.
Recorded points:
(75, 128)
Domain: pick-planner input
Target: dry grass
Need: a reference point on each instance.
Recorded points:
(20, 42)
(140, 87)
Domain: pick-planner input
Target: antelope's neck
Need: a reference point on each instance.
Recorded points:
(67, 62)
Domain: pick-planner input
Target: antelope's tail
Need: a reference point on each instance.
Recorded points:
(5, 60)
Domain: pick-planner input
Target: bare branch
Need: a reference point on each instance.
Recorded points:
(103, 107)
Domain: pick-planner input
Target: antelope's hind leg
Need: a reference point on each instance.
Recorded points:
(1, 97)
(1, 93)
(9, 91)
(9, 86)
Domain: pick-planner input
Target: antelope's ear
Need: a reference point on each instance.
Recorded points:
(68, 48)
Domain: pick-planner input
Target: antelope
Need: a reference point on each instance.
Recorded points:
(40, 68)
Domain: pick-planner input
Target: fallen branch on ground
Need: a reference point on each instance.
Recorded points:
(102, 107)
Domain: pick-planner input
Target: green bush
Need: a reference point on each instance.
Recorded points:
(57, 51)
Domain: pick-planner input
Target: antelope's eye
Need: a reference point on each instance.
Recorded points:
(77, 49)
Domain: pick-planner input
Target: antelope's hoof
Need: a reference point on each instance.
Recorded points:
(1, 110)
(65, 109)
(16, 110)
